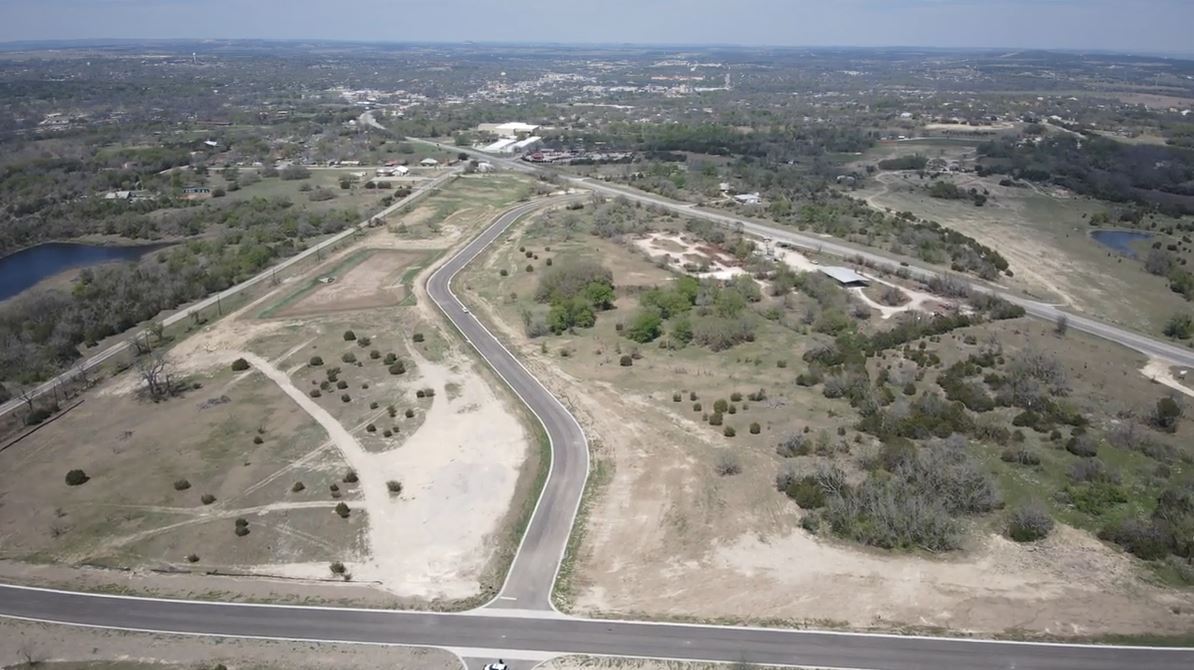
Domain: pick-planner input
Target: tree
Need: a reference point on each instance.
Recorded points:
(1062, 326)
(158, 374)
(1167, 414)
(1180, 326)
(343, 510)
(645, 327)
(76, 478)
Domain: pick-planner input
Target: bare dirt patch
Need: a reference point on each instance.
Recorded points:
(374, 281)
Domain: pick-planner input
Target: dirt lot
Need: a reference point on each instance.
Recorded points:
(369, 279)
(665, 536)
(388, 424)
(65, 648)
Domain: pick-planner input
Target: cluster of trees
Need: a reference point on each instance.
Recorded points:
(947, 190)
(708, 313)
(41, 332)
(1099, 167)
(1163, 263)
(915, 498)
(576, 289)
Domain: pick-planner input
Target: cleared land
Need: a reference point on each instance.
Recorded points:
(328, 431)
(684, 520)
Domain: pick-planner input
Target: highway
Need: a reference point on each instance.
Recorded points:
(520, 622)
(103, 356)
(1149, 346)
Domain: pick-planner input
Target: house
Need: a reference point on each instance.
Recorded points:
(350, 163)
(401, 171)
(211, 143)
(526, 144)
(196, 193)
(748, 198)
(844, 276)
(484, 166)
(724, 187)
(429, 162)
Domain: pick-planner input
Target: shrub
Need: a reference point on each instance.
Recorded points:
(349, 336)
(257, 439)
(530, 268)
(720, 405)
(1141, 538)
(1166, 415)
(298, 487)
(736, 396)
(806, 491)
(696, 406)
(1082, 445)
(207, 499)
(373, 404)
(895, 452)
(38, 415)
(349, 357)
(397, 368)
(1029, 523)
(391, 410)
(394, 486)
(503, 272)
(192, 558)
(343, 510)
(715, 419)
(239, 365)
(350, 477)
(337, 568)
(315, 361)
(727, 465)
(241, 531)
(794, 444)
(181, 485)
(418, 337)
(1021, 456)
(341, 384)
(625, 361)
(364, 341)
(410, 413)
(390, 359)
(781, 363)
(677, 396)
(374, 354)
(755, 428)
(76, 478)
(387, 433)
(729, 431)
(344, 397)
(315, 393)
(371, 428)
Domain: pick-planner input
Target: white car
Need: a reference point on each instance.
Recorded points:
(500, 665)
(466, 312)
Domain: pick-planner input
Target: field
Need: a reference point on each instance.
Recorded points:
(1045, 235)
(326, 432)
(684, 507)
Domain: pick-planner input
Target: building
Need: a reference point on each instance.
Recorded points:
(429, 162)
(526, 144)
(844, 276)
(501, 146)
(748, 198)
(516, 129)
(484, 166)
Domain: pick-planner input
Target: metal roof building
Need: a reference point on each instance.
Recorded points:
(844, 276)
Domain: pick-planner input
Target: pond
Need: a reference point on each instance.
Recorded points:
(29, 266)
(1120, 241)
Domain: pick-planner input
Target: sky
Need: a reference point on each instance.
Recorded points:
(1142, 26)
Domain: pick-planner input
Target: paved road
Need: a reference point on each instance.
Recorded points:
(1147, 345)
(532, 574)
(562, 635)
(100, 358)
(525, 627)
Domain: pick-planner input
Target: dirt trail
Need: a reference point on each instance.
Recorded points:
(1159, 371)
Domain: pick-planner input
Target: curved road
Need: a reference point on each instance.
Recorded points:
(526, 627)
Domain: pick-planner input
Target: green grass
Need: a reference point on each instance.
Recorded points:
(312, 284)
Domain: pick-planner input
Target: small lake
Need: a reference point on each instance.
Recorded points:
(1120, 241)
(29, 266)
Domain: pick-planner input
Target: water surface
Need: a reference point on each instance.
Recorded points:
(29, 266)
(1120, 241)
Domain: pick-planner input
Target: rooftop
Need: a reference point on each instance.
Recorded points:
(844, 275)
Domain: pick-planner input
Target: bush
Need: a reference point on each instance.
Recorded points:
(727, 465)
(1082, 445)
(398, 368)
(625, 361)
(410, 413)
(374, 354)
(241, 531)
(239, 365)
(895, 452)
(720, 406)
(315, 361)
(794, 444)
(343, 510)
(181, 485)
(806, 491)
(337, 568)
(418, 337)
(1029, 523)
(371, 428)
(349, 336)
(729, 431)
(341, 384)
(755, 428)
(315, 393)
(207, 499)
(349, 357)
(715, 419)
(736, 397)
(390, 359)
(1021, 456)
(350, 477)
(192, 558)
(1166, 415)
(38, 415)
(364, 341)
(394, 486)
(344, 397)
(1141, 538)
(76, 478)
(298, 487)
(677, 396)
(696, 406)
(257, 439)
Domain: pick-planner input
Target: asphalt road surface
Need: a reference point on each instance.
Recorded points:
(533, 571)
(526, 626)
(100, 358)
